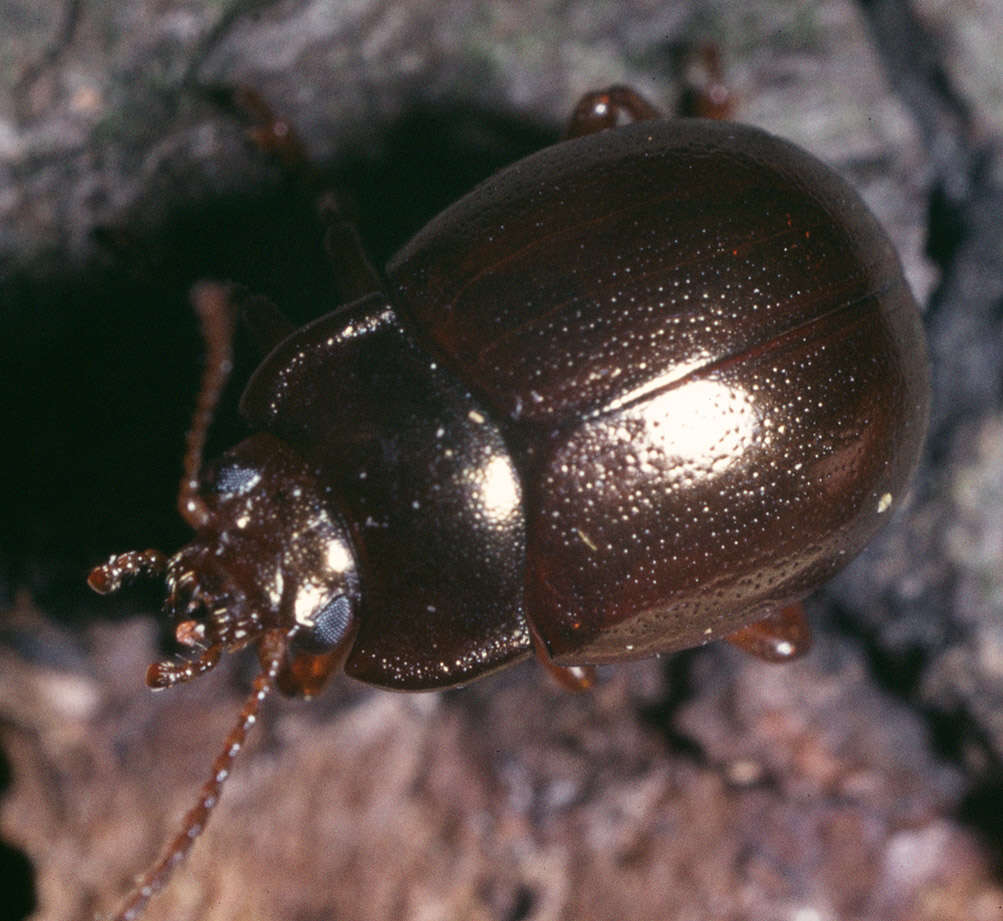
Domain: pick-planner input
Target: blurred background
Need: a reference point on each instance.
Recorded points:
(863, 782)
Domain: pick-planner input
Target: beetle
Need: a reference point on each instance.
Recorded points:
(646, 388)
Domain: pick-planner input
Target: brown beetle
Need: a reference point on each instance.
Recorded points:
(642, 390)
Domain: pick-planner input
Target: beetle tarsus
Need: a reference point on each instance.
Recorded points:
(603, 109)
(270, 132)
(781, 636)
(705, 94)
(574, 678)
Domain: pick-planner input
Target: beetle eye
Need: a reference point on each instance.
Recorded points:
(232, 478)
(332, 622)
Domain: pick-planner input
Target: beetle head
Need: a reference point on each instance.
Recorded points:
(267, 555)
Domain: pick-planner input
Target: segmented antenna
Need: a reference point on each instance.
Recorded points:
(273, 649)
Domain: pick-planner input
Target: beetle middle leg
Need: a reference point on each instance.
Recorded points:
(784, 634)
(570, 677)
(603, 109)
(705, 95)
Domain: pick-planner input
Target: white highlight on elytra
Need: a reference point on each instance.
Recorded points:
(499, 488)
(707, 422)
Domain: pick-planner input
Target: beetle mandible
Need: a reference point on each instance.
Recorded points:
(644, 389)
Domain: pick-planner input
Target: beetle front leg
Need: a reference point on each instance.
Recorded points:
(354, 274)
(603, 109)
(268, 131)
(304, 674)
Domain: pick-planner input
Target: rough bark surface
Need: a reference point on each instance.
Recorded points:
(861, 783)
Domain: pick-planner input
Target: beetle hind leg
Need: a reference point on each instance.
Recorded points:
(783, 635)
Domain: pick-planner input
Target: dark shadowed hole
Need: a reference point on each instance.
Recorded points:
(17, 876)
(661, 715)
(17, 883)
(982, 809)
(522, 905)
(101, 367)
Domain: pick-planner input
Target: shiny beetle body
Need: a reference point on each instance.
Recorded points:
(641, 390)
(635, 390)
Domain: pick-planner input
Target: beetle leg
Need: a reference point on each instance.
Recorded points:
(782, 635)
(269, 132)
(354, 274)
(604, 109)
(267, 325)
(570, 677)
(705, 94)
(304, 674)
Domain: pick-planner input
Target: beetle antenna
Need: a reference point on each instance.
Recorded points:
(216, 315)
(274, 645)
